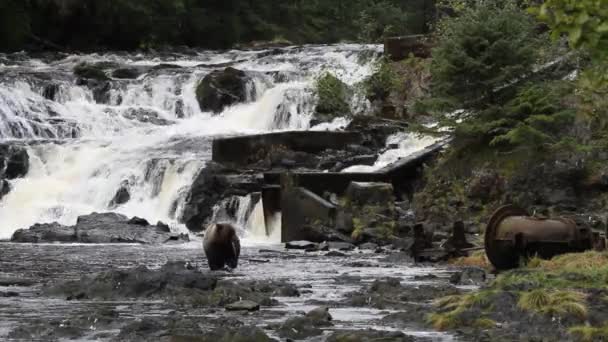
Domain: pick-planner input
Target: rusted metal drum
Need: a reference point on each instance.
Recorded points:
(512, 234)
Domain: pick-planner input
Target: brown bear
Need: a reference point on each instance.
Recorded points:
(222, 246)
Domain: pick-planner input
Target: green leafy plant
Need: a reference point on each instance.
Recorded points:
(333, 95)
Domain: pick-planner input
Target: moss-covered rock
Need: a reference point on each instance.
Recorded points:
(333, 97)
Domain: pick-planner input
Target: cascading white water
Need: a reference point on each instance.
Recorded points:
(400, 145)
(149, 134)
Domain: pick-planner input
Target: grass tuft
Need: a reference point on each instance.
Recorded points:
(554, 303)
(588, 333)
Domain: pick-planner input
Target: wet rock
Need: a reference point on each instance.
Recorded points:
(46, 232)
(100, 228)
(370, 336)
(92, 72)
(47, 330)
(12, 281)
(5, 188)
(335, 254)
(9, 294)
(122, 196)
(213, 184)
(175, 279)
(127, 73)
(390, 293)
(145, 115)
(341, 246)
(300, 328)
(50, 91)
(14, 161)
(469, 276)
(243, 305)
(138, 221)
(146, 328)
(368, 246)
(302, 245)
(320, 314)
(221, 89)
(229, 334)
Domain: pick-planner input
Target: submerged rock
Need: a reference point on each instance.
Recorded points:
(221, 89)
(100, 228)
(370, 336)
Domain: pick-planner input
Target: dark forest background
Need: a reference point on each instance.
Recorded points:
(133, 24)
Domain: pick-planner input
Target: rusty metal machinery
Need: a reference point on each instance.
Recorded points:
(512, 234)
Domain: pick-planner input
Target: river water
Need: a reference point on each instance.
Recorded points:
(150, 134)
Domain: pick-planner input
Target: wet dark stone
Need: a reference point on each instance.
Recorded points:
(173, 279)
(243, 305)
(9, 294)
(50, 91)
(221, 89)
(14, 161)
(138, 221)
(302, 245)
(100, 228)
(127, 73)
(122, 196)
(92, 72)
(469, 276)
(300, 328)
(370, 336)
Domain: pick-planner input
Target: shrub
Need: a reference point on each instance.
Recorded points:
(379, 85)
(333, 95)
(486, 47)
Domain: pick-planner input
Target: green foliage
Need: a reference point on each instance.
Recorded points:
(584, 21)
(535, 119)
(483, 49)
(452, 307)
(588, 333)
(379, 85)
(333, 95)
(554, 303)
(380, 20)
(14, 24)
(131, 24)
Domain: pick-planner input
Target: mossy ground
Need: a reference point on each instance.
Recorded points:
(566, 290)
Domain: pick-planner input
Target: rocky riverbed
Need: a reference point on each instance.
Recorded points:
(139, 293)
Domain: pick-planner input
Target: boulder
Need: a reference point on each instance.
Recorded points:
(221, 89)
(173, 279)
(320, 314)
(303, 245)
(122, 196)
(100, 228)
(14, 161)
(243, 305)
(127, 73)
(469, 276)
(5, 188)
(92, 72)
(47, 232)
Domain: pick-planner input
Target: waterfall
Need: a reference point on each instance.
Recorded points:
(148, 134)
